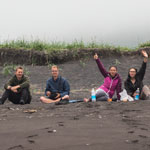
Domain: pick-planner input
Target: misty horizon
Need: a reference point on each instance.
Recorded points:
(124, 23)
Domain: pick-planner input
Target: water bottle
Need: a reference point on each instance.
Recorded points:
(137, 96)
(93, 95)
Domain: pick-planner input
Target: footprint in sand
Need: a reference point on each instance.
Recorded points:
(143, 136)
(144, 129)
(124, 116)
(75, 118)
(31, 141)
(46, 128)
(31, 136)
(52, 131)
(134, 126)
(18, 147)
(135, 141)
(60, 123)
(130, 131)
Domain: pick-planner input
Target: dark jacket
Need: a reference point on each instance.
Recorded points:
(24, 82)
(130, 87)
(110, 84)
(59, 86)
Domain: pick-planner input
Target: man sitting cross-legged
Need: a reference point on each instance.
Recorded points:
(17, 89)
(57, 88)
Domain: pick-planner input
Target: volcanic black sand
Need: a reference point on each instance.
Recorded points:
(76, 126)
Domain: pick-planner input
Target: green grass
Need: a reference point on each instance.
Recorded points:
(146, 44)
(10, 69)
(48, 47)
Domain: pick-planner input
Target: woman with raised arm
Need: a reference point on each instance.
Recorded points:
(112, 82)
(135, 80)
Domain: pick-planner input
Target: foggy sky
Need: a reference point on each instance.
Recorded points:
(118, 22)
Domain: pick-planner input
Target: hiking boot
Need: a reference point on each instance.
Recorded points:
(1, 103)
(22, 102)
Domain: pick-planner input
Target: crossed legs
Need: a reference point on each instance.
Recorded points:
(48, 100)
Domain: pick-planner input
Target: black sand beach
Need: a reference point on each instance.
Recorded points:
(76, 126)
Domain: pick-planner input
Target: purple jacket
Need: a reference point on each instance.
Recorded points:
(110, 84)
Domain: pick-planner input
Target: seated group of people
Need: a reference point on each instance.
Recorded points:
(58, 89)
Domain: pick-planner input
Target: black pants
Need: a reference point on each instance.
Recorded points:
(15, 98)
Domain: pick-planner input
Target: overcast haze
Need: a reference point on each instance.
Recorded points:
(118, 22)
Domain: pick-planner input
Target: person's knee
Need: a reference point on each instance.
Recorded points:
(100, 93)
(146, 89)
(42, 98)
(145, 94)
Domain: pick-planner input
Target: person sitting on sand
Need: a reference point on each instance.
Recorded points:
(17, 89)
(57, 88)
(112, 83)
(135, 80)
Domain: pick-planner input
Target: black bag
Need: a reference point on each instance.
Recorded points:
(53, 96)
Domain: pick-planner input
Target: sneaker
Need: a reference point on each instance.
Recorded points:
(1, 103)
(22, 102)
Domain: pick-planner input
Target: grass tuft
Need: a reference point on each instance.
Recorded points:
(146, 44)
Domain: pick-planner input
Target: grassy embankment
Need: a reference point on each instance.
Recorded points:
(48, 47)
(59, 46)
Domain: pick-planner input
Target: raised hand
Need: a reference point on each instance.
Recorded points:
(144, 53)
(95, 56)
